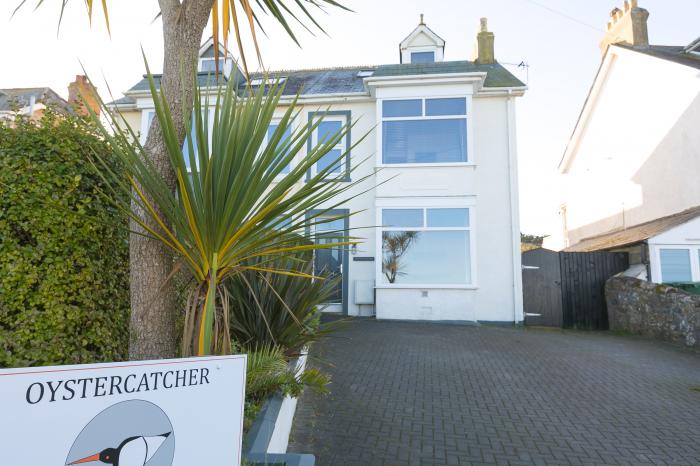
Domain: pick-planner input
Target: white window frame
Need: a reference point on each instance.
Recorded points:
(417, 204)
(342, 144)
(145, 127)
(694, 250)
(471, 160)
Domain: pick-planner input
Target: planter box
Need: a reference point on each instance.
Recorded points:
(266, 442)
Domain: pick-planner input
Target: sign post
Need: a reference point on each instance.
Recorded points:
(175, 412)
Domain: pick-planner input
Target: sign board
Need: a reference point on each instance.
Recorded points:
(176, 412)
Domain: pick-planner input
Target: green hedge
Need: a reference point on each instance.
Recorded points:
(63, 250)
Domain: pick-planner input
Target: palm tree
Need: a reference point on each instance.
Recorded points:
(153, 326)
(230, 208)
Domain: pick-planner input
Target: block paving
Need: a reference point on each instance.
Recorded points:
(431, 394)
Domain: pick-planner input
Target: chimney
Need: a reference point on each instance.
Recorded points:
(627, 26)
(484, 40)
(83, 95)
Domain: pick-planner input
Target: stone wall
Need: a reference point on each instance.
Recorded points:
(653, 310)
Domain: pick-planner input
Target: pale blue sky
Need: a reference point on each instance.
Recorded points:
(562, 53)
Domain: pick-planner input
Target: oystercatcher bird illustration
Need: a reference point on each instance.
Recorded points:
(133, 451)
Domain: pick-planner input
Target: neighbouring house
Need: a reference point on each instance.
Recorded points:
(441, 151)
(631, 166)
(32, 102)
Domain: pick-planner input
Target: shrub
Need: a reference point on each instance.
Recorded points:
(63, 251)
(269, 308)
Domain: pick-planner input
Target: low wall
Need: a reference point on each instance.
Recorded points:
(653, 310)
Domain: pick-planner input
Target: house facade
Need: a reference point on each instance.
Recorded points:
(630, 169)
(437, 139)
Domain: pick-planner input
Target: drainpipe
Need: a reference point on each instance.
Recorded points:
(514, 211)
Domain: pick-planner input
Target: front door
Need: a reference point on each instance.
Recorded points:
(329, 262)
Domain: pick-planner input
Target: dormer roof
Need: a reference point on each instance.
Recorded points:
(422, 40)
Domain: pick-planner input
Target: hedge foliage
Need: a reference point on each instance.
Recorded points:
(64, 291)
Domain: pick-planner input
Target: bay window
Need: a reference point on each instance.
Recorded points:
(284, 141)
(426, 246)
(424, 131)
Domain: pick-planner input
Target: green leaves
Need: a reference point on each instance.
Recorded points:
(63, 300)
(233, 210)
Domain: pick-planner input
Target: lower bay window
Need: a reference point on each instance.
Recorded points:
(428, 247)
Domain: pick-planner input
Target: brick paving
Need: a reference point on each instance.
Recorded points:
(426, 394)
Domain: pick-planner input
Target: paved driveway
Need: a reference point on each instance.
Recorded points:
(413, 393)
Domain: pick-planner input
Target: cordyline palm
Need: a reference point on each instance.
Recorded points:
(152, 328)
(231, 207)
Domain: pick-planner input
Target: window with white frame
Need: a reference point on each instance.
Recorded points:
(147, 118)
(424, 131)
(679, 264)
(426, 246)
(337, 158)
(283, 141)
(422, 57)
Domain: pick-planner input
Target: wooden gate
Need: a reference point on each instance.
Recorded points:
(542, 288)
(567, 289)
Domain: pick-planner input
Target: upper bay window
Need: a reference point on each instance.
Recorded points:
(282, 144)
(424, 131)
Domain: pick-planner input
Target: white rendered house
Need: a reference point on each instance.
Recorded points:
(630, 168)
(441, 152)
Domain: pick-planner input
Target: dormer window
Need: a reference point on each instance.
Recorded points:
(256, 82)
(422, 46)
(422, 57)
(208, 65)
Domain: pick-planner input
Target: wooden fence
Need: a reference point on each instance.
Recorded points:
(566, 289)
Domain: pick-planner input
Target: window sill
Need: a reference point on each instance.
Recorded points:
(426, 287)
(426, 165)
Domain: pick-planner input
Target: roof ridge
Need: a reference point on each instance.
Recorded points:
(323, 68)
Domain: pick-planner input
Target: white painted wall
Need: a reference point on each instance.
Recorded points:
(636, 155)
(487, 184)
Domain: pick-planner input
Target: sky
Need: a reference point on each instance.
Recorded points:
(558, 39)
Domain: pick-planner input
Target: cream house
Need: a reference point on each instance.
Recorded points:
(630, 168)
(441, 152)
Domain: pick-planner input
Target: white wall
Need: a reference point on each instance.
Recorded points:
(637, 157)
(485, 184)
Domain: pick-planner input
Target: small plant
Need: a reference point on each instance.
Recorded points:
(279, 309)
(268, 372)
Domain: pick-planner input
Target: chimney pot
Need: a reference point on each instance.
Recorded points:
(484, 39)
(627, 27)
(81, 95)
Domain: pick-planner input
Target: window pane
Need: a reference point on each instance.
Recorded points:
(426, 257)
(186, 148)
(402, 217)
(437, 107)
(402, 108)
(422, 57)
(448, 217)
(327, 129)
(331, 158)
(210, 65)
(424, 141)
(284, 140)
(675, 265)
(329, 225)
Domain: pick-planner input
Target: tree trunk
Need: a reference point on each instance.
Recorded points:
(154, 312)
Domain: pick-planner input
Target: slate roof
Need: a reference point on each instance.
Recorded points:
(497, 75)
(21, 97)
(673, 53)
(344, 80)
(635, 234)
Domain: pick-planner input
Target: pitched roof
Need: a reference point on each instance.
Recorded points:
(21, 97)
(344, 80)
(674, 53)
(496, 74)
(635, 234)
